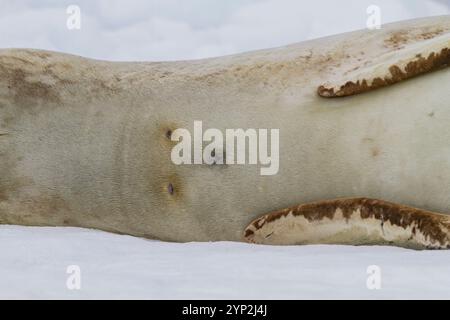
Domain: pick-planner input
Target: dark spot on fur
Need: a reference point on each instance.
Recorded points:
(375, 152)
(164, 131)
(170, 189)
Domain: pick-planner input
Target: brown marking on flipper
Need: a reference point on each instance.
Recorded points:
(399, 39)
(355, 221)
(406, 63)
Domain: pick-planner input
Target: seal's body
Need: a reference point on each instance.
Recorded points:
(88, 143)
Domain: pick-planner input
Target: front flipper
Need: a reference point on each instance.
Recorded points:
(358, 221)
(414, 59)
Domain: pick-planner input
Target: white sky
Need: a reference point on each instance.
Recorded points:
(187, 29)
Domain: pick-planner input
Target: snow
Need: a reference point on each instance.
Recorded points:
(34, 262)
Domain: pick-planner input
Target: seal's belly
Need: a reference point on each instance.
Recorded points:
(109, 167)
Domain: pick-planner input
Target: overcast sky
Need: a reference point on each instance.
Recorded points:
(187, 29)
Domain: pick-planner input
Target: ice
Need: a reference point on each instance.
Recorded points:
(34, 262)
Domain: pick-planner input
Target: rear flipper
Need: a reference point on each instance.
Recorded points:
(358, 221)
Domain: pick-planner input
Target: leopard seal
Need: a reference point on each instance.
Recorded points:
(362, 116)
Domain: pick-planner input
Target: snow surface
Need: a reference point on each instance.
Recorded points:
(34, 261)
